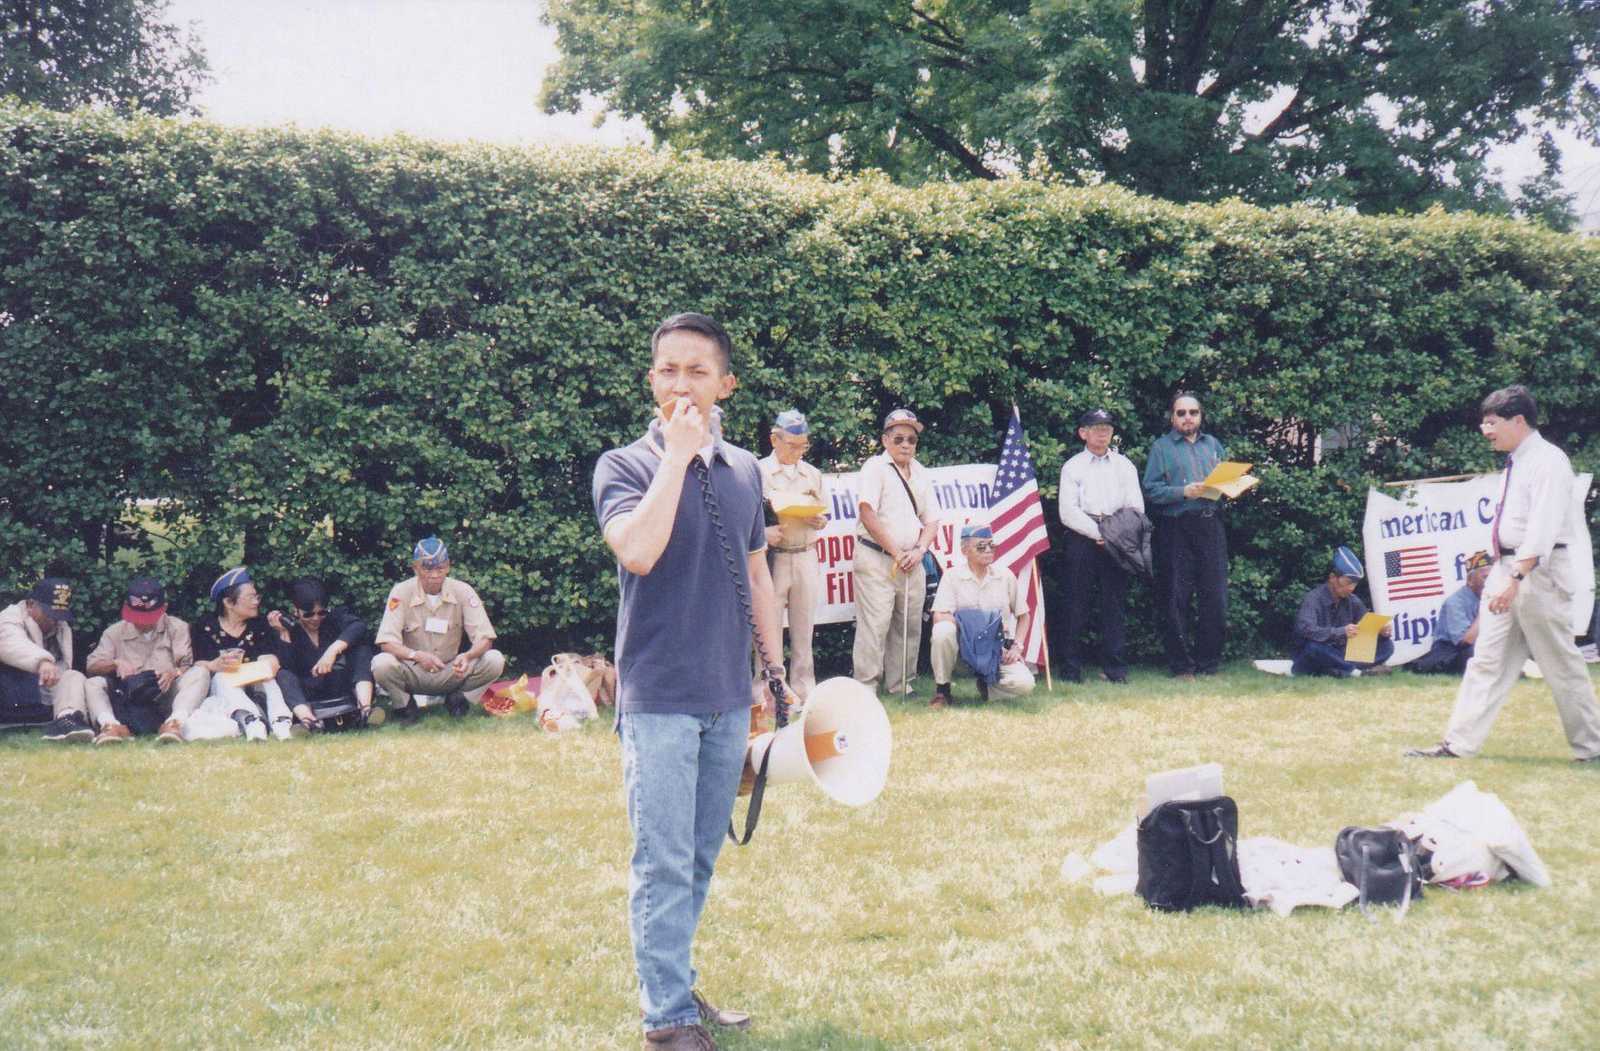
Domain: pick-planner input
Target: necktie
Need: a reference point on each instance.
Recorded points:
(1494, 530)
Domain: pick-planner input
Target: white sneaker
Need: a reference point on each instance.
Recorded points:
(255, 730)
(281, 727)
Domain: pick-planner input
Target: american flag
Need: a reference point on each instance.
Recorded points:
(1017, 518)
(1412, 572)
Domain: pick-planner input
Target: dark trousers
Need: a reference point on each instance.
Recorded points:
(1191, 554)
(1445, 658)
(20, 699)
(1319, 658)
(352, 666)
(1090, 568)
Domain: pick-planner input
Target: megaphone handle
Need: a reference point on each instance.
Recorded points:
(753, 814)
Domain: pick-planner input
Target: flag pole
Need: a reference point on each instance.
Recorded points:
(1044, 636)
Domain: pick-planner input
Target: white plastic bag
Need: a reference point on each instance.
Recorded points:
(565, 703)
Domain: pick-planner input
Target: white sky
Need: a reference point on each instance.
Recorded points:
(467, 69)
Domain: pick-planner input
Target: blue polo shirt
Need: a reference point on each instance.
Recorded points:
(683, 643)
(1457, 615)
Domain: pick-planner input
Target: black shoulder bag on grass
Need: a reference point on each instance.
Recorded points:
(774, 680)
(1188, 855)
(1382, 864)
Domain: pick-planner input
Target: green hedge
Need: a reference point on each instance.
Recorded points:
(327, 346)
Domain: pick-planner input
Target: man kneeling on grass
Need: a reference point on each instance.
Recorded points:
(423, 624)
(1328, 616)
(979, 616)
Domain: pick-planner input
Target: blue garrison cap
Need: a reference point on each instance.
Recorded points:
(430, 551)
(791, 421)
(976, 532)
(237, 575)
(1346, 564)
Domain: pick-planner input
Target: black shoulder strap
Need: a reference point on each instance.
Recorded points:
(907, 487)
(752, 815)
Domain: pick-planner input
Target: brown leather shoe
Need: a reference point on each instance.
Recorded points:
(113, 733)
(171, 732)
(680, 1038)
(719, 1016)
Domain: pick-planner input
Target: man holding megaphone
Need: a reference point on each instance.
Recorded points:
(682, 511)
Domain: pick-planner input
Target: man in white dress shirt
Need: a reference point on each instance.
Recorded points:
(1529, 591)
(1095, 484)
(896, 524)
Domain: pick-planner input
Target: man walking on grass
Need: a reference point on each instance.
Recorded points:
(1527, 597)
(682, 511)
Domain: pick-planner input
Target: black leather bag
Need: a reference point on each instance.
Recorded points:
(338, 713)
(1189, 856)
(1381, 863)
(136, 702)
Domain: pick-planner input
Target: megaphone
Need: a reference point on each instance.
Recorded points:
(840, 743)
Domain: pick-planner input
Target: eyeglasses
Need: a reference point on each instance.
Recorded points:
(903, 439)
(983, 545)
(1185, 412)
(311, 614)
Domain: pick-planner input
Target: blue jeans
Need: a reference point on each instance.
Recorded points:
(680, 773)
(1319, 658)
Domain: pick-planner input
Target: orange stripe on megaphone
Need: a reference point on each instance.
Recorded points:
(825, 746)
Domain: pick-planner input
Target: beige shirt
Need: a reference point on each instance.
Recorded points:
(165, 647)
(799, 482)
(23, 645)
(408, 622)
(960, 588)
(880, 489)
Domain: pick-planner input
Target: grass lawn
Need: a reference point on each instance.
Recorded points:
(463, 885)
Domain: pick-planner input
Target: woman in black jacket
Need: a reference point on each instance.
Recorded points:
(236, 633)
(328, 651)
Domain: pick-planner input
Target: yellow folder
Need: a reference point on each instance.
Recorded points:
(1362, 647)
(797, 509)
(247, 674)
(1229, 479)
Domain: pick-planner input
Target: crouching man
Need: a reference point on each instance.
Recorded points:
(143, 668)
(420, 636)
(979, 616)
(36, 676)
(1328, 616)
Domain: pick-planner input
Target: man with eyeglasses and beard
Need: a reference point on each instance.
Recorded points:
(1191, 552)
(895, 527)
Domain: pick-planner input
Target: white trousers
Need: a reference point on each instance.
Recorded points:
(1537, 625)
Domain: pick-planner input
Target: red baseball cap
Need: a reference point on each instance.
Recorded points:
(146, 604)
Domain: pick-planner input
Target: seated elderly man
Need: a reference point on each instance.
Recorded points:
(36, 676)
(143, 669)
(1328, 616)
(979, 616)
(420, 636)
(1457, 630)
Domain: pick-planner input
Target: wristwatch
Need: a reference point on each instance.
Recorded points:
(1517, 574)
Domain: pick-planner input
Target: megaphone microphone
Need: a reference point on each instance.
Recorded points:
(841, 743)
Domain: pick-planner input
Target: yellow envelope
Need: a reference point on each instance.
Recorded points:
(1229, 479)
(799, 509)
(1362, 647)
(247, 674)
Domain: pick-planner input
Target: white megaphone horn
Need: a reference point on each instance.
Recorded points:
(840, 742)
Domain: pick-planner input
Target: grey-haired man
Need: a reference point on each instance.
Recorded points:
(792, 488)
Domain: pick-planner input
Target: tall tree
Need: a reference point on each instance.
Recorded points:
(122, 54)
(1380, 104)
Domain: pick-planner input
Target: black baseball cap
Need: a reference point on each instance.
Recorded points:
(54, 594)
(1095, 417)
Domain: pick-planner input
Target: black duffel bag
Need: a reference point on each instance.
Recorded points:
(136, 702)
(1381, 863)
(1188, 855)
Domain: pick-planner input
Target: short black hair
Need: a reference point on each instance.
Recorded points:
(308, 593)
(229, 594)
(698, 323)
(1511, 401)
(1182, 394)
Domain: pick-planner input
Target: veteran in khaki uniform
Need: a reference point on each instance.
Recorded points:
(896, 525)
(788, 481)
(976, 583)
(421, 633)
(148, 655)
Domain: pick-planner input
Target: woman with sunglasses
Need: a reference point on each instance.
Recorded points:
(328, 651)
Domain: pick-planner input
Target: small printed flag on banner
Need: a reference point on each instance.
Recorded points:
(1412, 572)
(1017, 519)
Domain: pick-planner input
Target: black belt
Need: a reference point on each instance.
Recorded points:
(792, 550)
(1503, 553)
(864, 542)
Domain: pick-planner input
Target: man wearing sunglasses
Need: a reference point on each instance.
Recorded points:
(980, 616)
(789, 482)
(1191, 552)
(895, 527)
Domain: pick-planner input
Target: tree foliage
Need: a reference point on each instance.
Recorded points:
(121, 54)
(1385, 105)
(323, 347)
